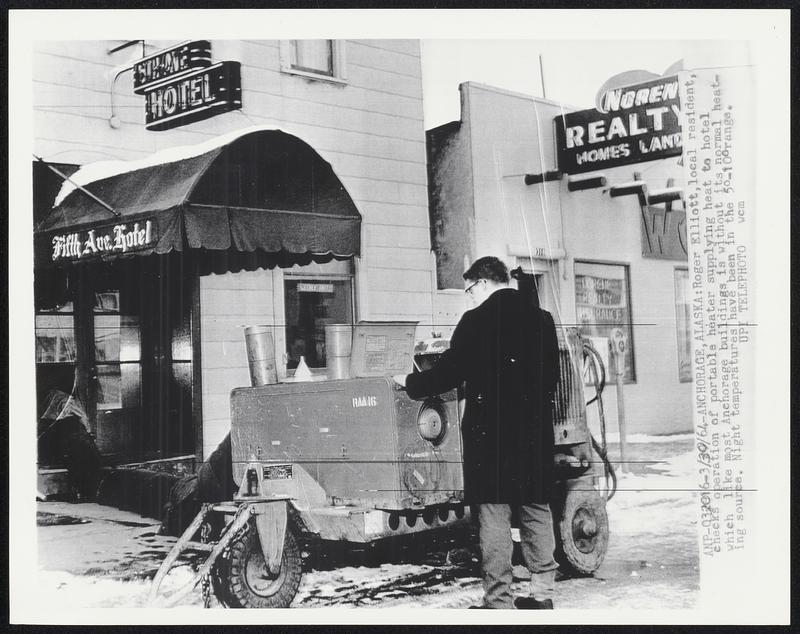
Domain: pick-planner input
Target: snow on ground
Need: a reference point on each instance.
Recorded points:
(668, 483)
(652, 561)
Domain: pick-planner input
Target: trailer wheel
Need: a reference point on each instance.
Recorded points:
(581, 531)
(242, 579)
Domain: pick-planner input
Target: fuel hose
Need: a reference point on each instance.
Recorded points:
(598, 376)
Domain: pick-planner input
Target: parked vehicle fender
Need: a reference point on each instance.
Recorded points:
(271, 523)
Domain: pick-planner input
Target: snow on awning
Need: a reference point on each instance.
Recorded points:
(261, 189)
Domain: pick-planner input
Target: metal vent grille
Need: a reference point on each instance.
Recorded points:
(569, 418)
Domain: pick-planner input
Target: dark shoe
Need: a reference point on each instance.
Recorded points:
(529, 603)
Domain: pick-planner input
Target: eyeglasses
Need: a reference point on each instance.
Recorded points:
(469, 288)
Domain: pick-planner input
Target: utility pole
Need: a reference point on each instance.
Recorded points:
(618, 342)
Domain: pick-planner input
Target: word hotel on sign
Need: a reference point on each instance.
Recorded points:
(185, 94)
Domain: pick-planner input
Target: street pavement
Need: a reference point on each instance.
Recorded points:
(95, 556)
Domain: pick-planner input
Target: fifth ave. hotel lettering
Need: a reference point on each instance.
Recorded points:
(121, 238)
(635, 123)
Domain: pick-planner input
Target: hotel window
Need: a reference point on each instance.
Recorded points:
(56, 360)
(312, 303)
(683, 324)
(55, 370)
(602, 302)
(315, 59)
(55, 335)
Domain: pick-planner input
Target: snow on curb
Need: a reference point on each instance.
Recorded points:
(677, 481)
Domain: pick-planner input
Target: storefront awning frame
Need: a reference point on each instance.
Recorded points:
(264, 190)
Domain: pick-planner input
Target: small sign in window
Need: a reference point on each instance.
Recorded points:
(602, 303)
(304, 287)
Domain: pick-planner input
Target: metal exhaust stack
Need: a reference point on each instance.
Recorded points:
(260, 355)
(338, 347)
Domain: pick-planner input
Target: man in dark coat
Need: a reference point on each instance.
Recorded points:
(505, 351)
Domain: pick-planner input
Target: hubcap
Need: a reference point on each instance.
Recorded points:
(584, 530)
(258, 577)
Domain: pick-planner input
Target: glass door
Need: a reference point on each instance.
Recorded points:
(166, 295)
(140, 366)
(115, 374)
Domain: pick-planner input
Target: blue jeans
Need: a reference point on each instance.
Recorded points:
(537, 542)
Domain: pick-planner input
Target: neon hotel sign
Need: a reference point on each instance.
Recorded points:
(181, 85)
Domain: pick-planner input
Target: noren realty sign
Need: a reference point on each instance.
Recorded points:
(637, 123)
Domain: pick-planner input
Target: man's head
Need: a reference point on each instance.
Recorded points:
(484, 277)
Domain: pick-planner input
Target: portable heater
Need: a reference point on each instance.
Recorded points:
(356, 459)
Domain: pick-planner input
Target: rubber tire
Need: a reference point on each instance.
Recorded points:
(570, 557)
(230, 574)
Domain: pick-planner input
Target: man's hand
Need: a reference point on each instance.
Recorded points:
(400, 379)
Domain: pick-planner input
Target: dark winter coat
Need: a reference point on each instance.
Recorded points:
(506, 353)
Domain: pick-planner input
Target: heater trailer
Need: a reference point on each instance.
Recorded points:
(357, 460)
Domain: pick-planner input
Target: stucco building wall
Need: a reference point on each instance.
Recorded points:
(545, 228)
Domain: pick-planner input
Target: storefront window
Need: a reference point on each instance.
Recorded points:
(56, 357)
(55, 335)
(602, 302)
(117, 352)
(310, 305)
(683, 325)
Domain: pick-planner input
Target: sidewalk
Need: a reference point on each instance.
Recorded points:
(96, 556)
(92, 539)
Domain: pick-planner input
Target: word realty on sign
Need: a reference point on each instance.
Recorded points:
(119, 239)
(181, 85)
(637, 123)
